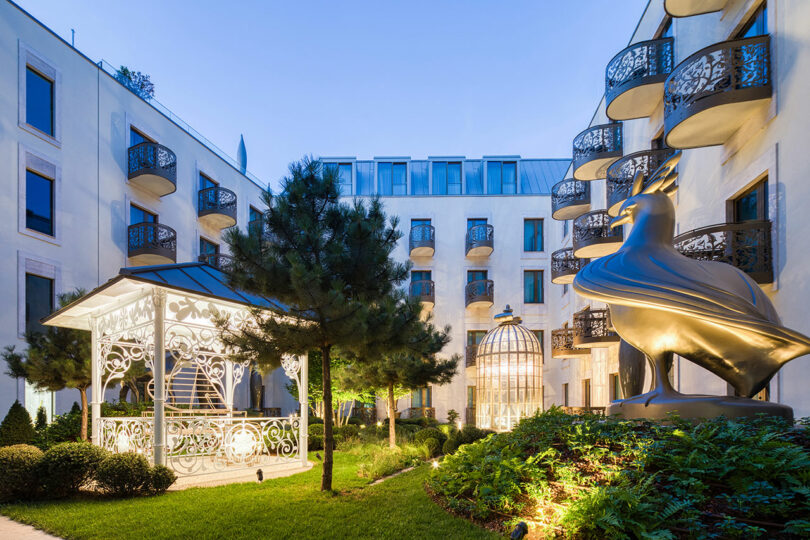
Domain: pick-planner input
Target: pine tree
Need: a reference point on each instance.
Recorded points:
(326, 263)
(16, 427)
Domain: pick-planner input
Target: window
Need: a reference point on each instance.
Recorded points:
(501, 177)
(586, 393)
(474, 337)
(565, 394)
(420, 275)
(39, 301)
(473, 222)
(39, 101)
(471, 397)
(365, 177)
(139, 215)
(757, 25)
(206, 182)
(420, 184)
(539, 334)
(255, 218)
(207, 247)
(667, 29)
(564, 229)
(254, 214)
(447, 178)
(752, 205)
(343, 171)
(615, 387)
(565, 289)
(39, 203)
(136, 137)
(421, 397)
(476, 275)
(419, 222)
(474, 176)
(392, 178)
(419, 287)
(532, 286)
(532, 235)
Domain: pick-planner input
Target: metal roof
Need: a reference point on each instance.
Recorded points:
(537, 176)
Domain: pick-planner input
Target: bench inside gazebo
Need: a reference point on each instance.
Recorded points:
(168, 312)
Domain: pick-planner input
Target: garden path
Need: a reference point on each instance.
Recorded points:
(11, 529)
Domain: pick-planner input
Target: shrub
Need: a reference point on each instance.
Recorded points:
(18, 471)
(383, 461)
(123, 474)
(16, 427)
(314, 420)
(42, 419)
(424, 435)
(66, 467)
(433, 446)
(452, 416)
(65, 428)
(161, 479)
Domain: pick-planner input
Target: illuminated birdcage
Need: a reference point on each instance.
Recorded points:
(510, 376)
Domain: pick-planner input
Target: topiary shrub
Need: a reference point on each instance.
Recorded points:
(423, 435)
(123, 474)
(161, 479)
(433, 446)
(66, 467)
(17, 427)
(451, 444)
(18, 471)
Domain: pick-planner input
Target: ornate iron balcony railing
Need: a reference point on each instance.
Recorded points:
(152, 239)
(570, 199)
(595, 149)
(482, 290)
(422, 240)
(217, 260)
(479, 238)
(562, 344)
(620, 175)
(155, 165)
(593, 236)
(469, 355)
(421, 412)
(745, 245)
(564, 266)
(219, 203)
(424, 290)
(592, 328)
(640, 65)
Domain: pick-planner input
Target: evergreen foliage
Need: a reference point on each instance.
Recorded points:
(18, 470)
(16, 427)
(67, 467)
(161, 479)
(124, 474)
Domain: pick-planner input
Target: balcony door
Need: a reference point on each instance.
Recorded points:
(751, 205)
(476, 275)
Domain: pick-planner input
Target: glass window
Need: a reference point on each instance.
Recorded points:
(667, 30)
(207, 247)
(420, 275)
(139, 215)
(39, 203)
(136, 137)
(343, 171)
(38, 101)
(392, 178)
(419, 222)
(757, 25)
(539, 334)
(615, 387)
(255, 218)
(38, 301)
(501, 177)
(472, 222)
(365, 177)
(532, 235)
(476, 275)
(471, 397)
(533, 286)
(254, 214)
(419, 178)
(565, 394)
(447, 178)
(421, 397)
(586, 393)
(473, 174)
(474, 337)
(206, 182)
(753, 204)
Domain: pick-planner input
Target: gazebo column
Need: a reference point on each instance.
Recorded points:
(95, 385)
(229, 385)
(159, 374)
(302, 395)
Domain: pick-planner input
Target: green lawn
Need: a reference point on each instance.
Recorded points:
(282, 508)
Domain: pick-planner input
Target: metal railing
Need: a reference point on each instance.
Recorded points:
(217, 260)
(152, 239)
(152, 158)
(592, 327)
(597, 142)
(479, 236)
(564, 265)
(645, 62)
(422, 236)
(216, 200)
(620, 175)
(570, 193)
(469, 355)
(481, 290)
(423, 289)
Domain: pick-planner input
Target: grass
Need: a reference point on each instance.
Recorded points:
(291, 507)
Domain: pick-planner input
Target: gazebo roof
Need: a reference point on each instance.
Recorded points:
(195, 278)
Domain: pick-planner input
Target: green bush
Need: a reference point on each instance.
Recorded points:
(65, 428)
(67, 467)
(424, 435)
(124, 474)
(341, 434)
(314, 420)
(19, 465)
(433, 446)
(17, 427)
(383, 461)
(160, 479)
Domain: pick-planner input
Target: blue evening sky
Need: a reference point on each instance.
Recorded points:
(363, 79)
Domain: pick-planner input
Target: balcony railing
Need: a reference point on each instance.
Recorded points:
(711, 93)
(562, 344)
(421, 412)
(422, 241)
(151, 243)
(634, 79)
(564, 266)
(595, 149)
(570, 198)
(470, 354)
(592, 329)
(479, 293)
(480, 240)
(746, 246)
(687, 8)
(469, 416)
(424, 290)
(153, 167)
(620, 175)
(593, 236)
(220, 261)
(216, 207)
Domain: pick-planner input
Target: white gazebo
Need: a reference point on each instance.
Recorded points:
(163, 317)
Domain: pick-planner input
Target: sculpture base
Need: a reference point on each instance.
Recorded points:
(657, 405)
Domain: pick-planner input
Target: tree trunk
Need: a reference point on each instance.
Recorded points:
(328, 439)
(392, 415)
(122, 393)
(83, 392)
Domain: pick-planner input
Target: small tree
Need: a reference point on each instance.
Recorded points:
(138, 83)
(16, 427)
(14, 365)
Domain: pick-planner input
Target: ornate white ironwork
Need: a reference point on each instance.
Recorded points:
(126, 434)
(292, 368)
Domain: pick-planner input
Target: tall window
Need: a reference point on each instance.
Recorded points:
(420, 275)
(39, 203)
(565, 229)
(474, 337)
(392, 178)
(473, 222)
(471, 397)
(207, 247)
(501, 177)
(206, 182)
(39, 301)
(667, 30)
(752, 205)
(532, 286)
(420, 182)
(343, 171)
(565, 394)
(139, 215)
(532, 235)
(39, 101)
(540, 335)
(474, 174)
(586, 393)
(255, 218)
(447, 178)
(615, 387)
(757, 25)
(476, 275)
(421, 397)
(136, 137)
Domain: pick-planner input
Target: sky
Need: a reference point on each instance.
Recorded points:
(354, 78)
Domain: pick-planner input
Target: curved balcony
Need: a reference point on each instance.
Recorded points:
(569, 199)
(151, 243)
(687, 8)
(219, 261)
(745, 245)
(593, 236)
(711, 93)
(595, 149)
(564, 266)
(153, 167)
(424, 290)
(634, 79)
(480, 240)
(216, 207)
(592, 329)
(469, 355)
(562, 344)
(479, 293)
(620, 175)
(422, 241)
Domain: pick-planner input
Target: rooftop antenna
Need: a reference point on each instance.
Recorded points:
(73, 38)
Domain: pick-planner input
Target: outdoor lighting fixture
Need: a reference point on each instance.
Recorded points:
(435, 464)
(362, 426)
(259, 475)
(510, 378)
(460, 425)
(379, 423)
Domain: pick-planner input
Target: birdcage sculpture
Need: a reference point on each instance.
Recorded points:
(510, 377)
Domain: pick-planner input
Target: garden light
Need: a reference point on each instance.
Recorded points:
(435, 464)
(379, 423)
(362, 426)
(460, 425)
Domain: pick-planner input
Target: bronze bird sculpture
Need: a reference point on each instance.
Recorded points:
(710, 313)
